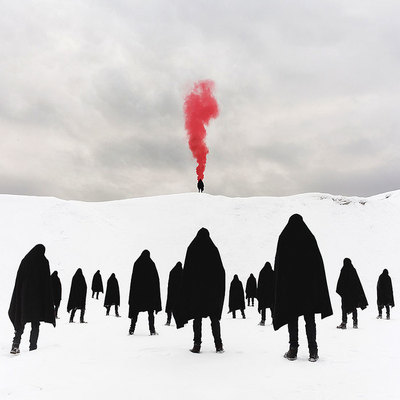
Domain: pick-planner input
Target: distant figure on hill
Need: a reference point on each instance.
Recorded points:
(77, 296)
(300, 285)
(200, 185)
(112, 295)
(251, 290)
(385, 293)
(56, 287)
(203, 289)
(32, 299)
(144, 294)
(174, 283)
(236, 297)
(97, 285)
(349, 288)
(265, 291)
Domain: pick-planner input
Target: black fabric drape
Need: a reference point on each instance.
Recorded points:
(174, 282)
(97, 283)
(300, 282)
(251, 287)
(266, 288)
(112, 297)
(236, 295)
(77, 294)
(56, 288)
(32, 299)
(350, 289)
(385, 290)
(144, 293)
(202, 290)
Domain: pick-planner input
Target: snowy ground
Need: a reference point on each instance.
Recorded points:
(99, 359)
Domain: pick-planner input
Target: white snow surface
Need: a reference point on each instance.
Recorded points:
(98, 360)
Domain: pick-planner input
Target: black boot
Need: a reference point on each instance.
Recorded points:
(219, 348)
(71, 317)
(313, 355)
(132, 328)
(291, 355)
(14, 349)
(342, 326)
(196, 348)
(82, 320)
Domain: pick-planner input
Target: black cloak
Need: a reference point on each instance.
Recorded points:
(112, 292)
(32, 298)
(77, 294)
(203, 281)
(265, 288)
(236, 295)
(56, 287)
(385, 289)
(174, 282)
(251, 287)
(349, 288)
(97, 283)
(144, 294)
(300, 282)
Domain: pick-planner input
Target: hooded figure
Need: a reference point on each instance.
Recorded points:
(265, 291)
(32, 299)
(112, 295)
(385, 293)
(77, 296)
(349, 288)
(251, 289)
(174, 282)
(300, 284)
(144, 294)
(56, 290)
(97, 285)
(202, 291)
(236, 297)
(200, 185)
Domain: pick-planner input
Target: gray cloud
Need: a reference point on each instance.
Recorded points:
(92, 93)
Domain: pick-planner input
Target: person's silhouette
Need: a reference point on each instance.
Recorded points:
(32, 299)
(300, 285)
(200, 185)
(202, 290)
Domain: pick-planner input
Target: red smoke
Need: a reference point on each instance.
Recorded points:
(200, 106)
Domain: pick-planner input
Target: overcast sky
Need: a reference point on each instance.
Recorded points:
(92, 92)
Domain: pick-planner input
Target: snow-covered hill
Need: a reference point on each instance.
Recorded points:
(100, 360)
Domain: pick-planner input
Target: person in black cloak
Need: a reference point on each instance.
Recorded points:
(174, 282)
(200, 185)
(56, 287)
(112, 297)
(77, 296)
(349, 288)
(251, 290)
(236, 297)
(385, 294)
(97, 285)
(144, 293)
(32, 299)
(265, 291)
(300, 285)
(202, 290)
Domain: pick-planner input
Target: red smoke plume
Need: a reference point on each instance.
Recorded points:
(200, 106)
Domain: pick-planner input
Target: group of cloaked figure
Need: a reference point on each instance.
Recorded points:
(296, 287)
